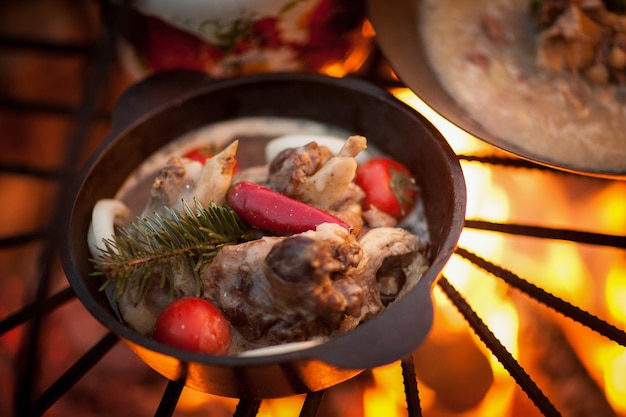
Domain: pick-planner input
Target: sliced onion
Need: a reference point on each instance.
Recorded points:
(278, 349)
(103, 218)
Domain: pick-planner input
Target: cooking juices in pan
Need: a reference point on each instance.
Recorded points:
(304, 261)
(301, 103)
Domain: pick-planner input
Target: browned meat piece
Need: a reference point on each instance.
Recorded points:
(492, 28)
(349, 208)
(283, 289)
(293, 165)
(395, 257)
(582, 37)
(378, 218)
(235, 282)
(313, 175)
(547, 11)
(570, 43)
(182, 178)
(169, 186)
(310, 275)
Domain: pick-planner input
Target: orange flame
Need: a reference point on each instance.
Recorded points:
(563, 268)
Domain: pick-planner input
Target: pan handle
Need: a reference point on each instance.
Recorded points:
(386, 338)
(151, 93)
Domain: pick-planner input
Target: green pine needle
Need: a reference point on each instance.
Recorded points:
(156, 247)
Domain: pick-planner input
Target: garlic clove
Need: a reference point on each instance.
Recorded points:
(216, 176)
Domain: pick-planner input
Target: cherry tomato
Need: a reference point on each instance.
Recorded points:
(194, 324)
(203, 153)
(168, 48)
(388, 185)
(200, 154)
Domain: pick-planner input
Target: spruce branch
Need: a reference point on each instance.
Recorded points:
(159, 246)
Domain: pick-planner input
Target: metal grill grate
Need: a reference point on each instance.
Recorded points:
(31, 316)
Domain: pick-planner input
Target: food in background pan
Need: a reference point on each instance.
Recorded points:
(240, 37)
(545, 76)
(582, 37)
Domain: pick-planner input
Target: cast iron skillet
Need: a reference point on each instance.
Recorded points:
(350, 104)
(397, 34)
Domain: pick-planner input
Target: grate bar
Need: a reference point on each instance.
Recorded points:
(374, 71)
(170, 398)
(69, 378)
(27, 106)
(22, 238)
(247, 408)
(500, 352)
(55, 109)
(31, 171)
(583, 317)
(311, 404)
(550, 233)
(29, 311)
(42, 45)
(411, 391)
(507, 162)
(29, 359)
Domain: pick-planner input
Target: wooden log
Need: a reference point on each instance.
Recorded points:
(548, 357)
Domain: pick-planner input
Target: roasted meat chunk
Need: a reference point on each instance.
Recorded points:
(314, 273)
(396, 258)
(283, 289)
(292, 167)
(169, 185)
(586, 37)
(182, 178)
(312, 174)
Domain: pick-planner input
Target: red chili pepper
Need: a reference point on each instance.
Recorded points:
(270, 210)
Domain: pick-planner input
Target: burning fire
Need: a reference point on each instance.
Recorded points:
(358, 56)
(565, 269)
(590, 277)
